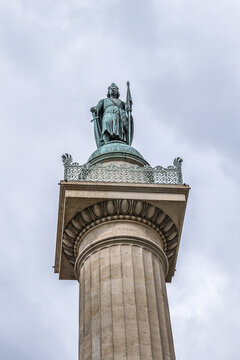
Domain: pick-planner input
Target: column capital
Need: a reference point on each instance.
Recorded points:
(118, 210)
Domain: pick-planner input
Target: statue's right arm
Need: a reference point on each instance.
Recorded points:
(97, 108)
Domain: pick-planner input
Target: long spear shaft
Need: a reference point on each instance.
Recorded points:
(130, 128)
(129, 108)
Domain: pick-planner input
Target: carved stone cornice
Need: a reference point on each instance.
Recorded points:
(119, 210)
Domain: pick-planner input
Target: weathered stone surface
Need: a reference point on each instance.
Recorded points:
(123, 309)
(76, 197)
(120, 241)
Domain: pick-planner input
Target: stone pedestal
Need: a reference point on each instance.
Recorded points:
(120, 241)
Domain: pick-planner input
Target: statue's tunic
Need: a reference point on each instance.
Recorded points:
(112, 118)
(112, 122)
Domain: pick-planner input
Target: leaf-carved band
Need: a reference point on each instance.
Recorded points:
(109, 210)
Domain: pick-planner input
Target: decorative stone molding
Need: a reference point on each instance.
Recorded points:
(119, 210)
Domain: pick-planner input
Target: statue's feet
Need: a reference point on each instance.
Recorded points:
(106, 138)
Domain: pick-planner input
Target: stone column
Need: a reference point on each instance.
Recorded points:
(121, 267)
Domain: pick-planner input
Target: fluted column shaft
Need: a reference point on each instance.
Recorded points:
(123, 303)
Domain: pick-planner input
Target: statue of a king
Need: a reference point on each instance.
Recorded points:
(112, 118)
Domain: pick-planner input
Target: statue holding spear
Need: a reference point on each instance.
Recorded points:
(112, 118)
(128, 108)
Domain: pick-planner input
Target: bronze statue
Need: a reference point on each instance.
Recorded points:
(112, 118)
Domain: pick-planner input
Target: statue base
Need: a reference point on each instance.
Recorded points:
(117, 151)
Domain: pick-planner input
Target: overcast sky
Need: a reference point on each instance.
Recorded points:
(182, 58)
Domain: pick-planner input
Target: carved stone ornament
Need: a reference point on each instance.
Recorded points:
(114, 210)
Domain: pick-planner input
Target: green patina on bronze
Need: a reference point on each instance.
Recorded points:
(113, 129)
(113, 118)
(117, 150)
(115, 160)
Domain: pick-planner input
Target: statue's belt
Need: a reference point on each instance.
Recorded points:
(121, 111)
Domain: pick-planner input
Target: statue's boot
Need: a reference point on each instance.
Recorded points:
(106, 137)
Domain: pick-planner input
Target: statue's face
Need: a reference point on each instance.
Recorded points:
(113, 91)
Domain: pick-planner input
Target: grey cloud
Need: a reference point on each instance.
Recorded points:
(57, 60)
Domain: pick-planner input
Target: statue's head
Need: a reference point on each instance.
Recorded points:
(113, 91)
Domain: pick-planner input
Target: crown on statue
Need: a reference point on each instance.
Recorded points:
(115, 87)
